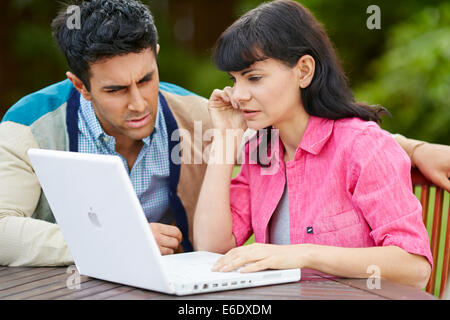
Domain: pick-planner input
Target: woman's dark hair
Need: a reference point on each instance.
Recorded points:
(285, 30)
(107, 28)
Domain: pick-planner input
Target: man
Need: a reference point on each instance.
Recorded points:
(112, 103)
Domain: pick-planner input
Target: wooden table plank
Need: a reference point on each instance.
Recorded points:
(138, 294)
(11, 270)
(50, 283)
(108, 293)
(103, 287)
(74, 293)
(389, 290)
(20, 278)
(22, 273)
(297, 291)
(37, 287)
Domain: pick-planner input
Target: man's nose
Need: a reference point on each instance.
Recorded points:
(137, 102)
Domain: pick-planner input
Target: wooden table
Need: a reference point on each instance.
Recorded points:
(55, 283)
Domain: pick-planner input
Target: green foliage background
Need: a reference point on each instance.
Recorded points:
(404, 66)
(412, 77)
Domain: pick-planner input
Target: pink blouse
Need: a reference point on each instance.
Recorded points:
(349, 185)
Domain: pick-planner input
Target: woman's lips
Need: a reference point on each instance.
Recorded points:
(139, 123)
(248, 114)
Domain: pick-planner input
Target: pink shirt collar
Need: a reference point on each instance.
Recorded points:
(317, 133)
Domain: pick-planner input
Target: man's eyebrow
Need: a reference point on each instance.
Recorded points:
(114, 88)
(145, 78)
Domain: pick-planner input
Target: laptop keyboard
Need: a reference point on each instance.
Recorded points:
(185, 269)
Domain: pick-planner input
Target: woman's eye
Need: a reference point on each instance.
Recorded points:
(254, 78)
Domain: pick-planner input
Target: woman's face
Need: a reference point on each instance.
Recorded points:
(267, 93)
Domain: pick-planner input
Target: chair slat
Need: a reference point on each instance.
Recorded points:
(424, 200)
(418, 180)
(445, 265)
(436, 233)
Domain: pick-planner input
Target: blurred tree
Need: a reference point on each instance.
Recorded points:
(403, 66)
(29, 58)
(412, 77)
(188, 30)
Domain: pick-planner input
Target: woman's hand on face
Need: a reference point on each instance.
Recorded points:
(258, 256)
(224, 111)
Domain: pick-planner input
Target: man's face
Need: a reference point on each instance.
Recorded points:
(124, 94)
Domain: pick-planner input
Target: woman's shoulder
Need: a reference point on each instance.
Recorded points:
(355, 126)
(358, 130)
(366, 137)
(367, 140)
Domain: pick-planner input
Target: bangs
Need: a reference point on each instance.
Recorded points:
(237, 49)
(258, 35)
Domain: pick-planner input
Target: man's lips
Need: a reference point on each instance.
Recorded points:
(139, 122)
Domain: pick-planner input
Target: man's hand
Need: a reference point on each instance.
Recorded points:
(167, 237)
(433, 160)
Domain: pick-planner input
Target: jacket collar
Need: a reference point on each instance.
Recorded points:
(317, 134)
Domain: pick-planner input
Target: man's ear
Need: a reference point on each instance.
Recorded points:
(79, 85)
(306, 67)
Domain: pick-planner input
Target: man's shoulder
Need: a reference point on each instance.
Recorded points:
(176, 90)
(180, 97)
(37, 104)
(184, 104)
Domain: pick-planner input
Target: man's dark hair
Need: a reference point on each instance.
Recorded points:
(107, 28)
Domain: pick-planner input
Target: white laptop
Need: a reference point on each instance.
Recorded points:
(108, 236)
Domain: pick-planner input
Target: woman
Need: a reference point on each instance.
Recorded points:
(339, 200)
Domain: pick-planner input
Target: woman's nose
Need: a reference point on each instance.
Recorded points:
(240, 93)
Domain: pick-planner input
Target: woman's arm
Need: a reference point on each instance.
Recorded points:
(212, 220)
(390, 262)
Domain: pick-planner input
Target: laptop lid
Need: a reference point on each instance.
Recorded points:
(99, 214)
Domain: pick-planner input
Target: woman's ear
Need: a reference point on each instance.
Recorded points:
(306, 67)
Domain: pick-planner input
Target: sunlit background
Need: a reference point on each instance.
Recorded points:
(404, 66)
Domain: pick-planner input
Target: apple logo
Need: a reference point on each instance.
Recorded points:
(93, 217)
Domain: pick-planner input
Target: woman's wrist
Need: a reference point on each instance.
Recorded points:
(225, 145)
(304, 254)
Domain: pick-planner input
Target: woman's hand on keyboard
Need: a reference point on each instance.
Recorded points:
(258, 256)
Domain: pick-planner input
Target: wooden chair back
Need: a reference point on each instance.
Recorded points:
(439, 218)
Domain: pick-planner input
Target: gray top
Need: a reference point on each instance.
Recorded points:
(279, 223)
